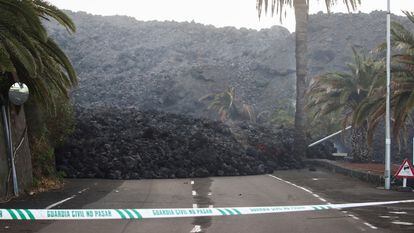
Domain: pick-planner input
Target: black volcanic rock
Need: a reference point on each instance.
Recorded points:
(124, 143)
(167, 67)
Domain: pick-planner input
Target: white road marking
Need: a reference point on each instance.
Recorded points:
(197, 228)
(67, 199)
(403, 223)
(370, 226)
(305, 189)
(194, 193)
(210, 206)
(195, 206)
(288, 182)
(60, 202)
(398, 212)
(353, 216)
(385, 216)
(209, 194)
(277, 178)
(192, 182)
(323, 200)
(83, 190)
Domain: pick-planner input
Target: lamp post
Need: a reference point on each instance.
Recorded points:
(387, 172)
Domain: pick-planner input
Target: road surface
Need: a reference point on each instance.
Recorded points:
(281, 188)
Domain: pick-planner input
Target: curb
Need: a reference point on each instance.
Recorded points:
(335, 168)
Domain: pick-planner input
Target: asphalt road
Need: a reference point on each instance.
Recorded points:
(262, 190)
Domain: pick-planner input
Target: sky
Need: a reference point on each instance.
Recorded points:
(220, 13)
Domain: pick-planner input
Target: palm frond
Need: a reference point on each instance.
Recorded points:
(278, 7)
(27, 51)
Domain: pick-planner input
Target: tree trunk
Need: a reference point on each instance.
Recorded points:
(361, 151)
(301, 16)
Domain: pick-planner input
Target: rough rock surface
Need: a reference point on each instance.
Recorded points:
(124, 143)
(168, 66)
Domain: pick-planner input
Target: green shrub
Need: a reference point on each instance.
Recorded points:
(46, 131)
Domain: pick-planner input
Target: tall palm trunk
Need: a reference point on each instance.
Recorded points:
(301, 16)
(361, 151)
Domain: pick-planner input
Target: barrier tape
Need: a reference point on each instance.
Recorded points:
(89, 214)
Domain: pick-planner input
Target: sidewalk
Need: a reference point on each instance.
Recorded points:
(369, 172)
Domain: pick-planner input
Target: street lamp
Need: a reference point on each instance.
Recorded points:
(387, 172)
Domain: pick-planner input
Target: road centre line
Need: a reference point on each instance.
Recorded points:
(397, 212)
(353, 216)
(196, 228)
(403, 223)
(192, 182)
(195, 206)
(194, 193)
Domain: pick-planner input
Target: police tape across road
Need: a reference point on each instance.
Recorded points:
(91, 214)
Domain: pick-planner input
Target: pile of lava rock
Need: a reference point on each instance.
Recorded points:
(125, 143)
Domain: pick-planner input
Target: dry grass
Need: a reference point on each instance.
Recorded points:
(46, 184)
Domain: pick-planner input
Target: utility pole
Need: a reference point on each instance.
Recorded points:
(387, 172)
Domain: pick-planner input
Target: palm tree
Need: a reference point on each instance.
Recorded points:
(402, 84)
(222, 102)
(301, 8)
(343, 93)
(228, 106)
(28, 54)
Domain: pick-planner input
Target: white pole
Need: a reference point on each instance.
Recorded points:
(329, 136)
(387, 172)
(9, 142)
(404, 182)
(412, 161)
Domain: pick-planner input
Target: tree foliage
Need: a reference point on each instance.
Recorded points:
(278, 7)
(228, 106)
(28, 54)
(301, 9)
(344, 92)
(402, 84)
